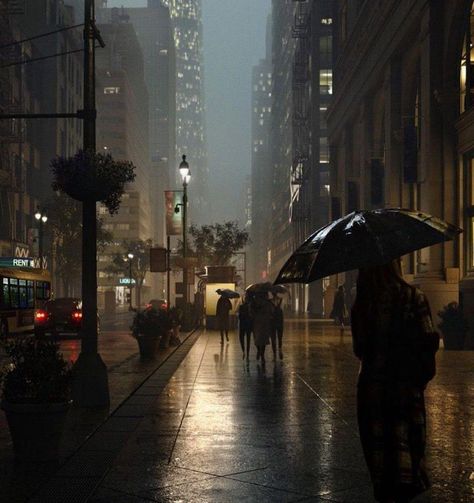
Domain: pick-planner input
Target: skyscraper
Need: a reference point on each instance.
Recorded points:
(261, 176)
(301, 93)
(190, 120)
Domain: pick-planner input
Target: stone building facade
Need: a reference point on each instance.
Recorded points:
(401, 127)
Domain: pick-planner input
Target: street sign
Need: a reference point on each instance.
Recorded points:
(126, 281)
(158, 260)
(18, 262)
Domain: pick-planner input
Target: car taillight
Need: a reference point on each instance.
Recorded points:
(148, 306)
(77, 315)
(41, 315)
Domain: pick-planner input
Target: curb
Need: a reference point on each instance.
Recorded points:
(80, 475)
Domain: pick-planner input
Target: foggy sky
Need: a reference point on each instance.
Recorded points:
(234, 41)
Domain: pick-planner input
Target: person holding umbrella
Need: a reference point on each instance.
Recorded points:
(223, 308)
(393, 335)
(262, 312)
(245, 327)
(277, 333)
(394, 338)
(339, 309)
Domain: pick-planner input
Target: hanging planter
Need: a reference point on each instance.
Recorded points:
(92, 177)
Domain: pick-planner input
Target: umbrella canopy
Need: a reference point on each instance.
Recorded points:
(364, 239)
(227, 292)
(259, 288)
(266, 288)
(279, 289)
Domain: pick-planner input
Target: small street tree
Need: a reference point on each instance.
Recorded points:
(140, 263)
(65, 223)
(216, 244)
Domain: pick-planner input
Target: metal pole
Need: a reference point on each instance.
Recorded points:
(130, 286)
(40, 246)
(168, 271)
(90, 384)
(185, 270)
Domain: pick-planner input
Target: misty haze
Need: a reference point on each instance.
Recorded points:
(236, 251)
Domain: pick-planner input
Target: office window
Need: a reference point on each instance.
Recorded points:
(325, 81)
(111, 90)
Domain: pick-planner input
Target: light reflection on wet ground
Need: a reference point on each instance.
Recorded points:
(223, 431)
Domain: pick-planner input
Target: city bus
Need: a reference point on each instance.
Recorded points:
(23, 289)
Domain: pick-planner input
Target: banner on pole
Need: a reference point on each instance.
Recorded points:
(174, 220)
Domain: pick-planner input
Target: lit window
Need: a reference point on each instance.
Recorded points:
(326, 20)
(325, 81)
(111, 90)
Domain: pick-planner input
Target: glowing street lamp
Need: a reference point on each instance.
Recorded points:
(185, 173)
(41, 218)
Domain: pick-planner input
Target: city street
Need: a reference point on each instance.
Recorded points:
(222, 431)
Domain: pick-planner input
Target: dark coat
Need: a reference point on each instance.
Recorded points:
(222, 310)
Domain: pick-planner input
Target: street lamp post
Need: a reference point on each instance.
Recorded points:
(41, 218)
(130, 258)
(90, 387)
(186, 177)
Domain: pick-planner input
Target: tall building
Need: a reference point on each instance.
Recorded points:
(41, 85)
(301, 91)
(152, 26)
(261, 170)
(190, 110)
(122, 130)
(401, 128)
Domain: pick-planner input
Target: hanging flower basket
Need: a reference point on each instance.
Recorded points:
(92, 177)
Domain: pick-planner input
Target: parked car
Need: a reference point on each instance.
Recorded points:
(62, 315)
(158, 304)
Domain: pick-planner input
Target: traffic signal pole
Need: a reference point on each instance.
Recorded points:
(90, 381)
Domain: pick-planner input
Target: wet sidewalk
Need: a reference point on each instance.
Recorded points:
(222, 431)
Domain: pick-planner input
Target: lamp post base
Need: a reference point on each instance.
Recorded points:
(90, 383)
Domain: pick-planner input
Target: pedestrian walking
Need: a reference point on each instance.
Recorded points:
(277, 332)
(262, 309)
(394, 338)
(224, 306)
(339, 308)
(245, 327)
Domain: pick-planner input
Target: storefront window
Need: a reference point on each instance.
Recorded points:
(469, 224)
(466, 77)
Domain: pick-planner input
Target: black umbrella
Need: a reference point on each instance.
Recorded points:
(364, 239)
(259, 288)
(227, 292)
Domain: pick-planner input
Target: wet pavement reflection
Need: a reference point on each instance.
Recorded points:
(224, 430)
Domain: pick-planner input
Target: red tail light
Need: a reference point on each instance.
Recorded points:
(41, 315)
(148, 306)
(77, 315)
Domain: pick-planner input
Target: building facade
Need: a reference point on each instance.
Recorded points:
(122, 130)
(261, 172)
(301, 91)
(33, 82)
(402, 127)
(152, 26)
(190, 108)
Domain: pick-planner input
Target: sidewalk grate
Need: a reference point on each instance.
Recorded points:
(78, 478)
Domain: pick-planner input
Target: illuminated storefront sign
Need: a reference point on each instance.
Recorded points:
(126, 281)
(18, 262)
